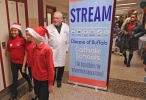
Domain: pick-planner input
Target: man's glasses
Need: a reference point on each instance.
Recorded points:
(56, 18)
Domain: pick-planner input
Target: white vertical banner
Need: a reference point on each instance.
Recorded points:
(90, 33)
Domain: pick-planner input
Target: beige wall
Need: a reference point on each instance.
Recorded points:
(33, 12)
(33, 22)
(59, 7)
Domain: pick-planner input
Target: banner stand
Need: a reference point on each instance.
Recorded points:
(91, 27)
(80, 84)
(76, 84)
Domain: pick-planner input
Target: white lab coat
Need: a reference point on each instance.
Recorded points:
(59, 43)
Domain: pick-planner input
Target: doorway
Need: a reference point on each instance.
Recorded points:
(49, 14)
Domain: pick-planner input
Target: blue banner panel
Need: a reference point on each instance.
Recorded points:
(90, 32)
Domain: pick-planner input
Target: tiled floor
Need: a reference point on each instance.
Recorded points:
(124, 84)
(70, 92)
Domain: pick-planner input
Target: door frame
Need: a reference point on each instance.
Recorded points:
(2, 67)
(54, 10)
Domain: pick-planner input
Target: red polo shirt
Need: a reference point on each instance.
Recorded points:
(29, 50)
(43, 66)
(16, 47)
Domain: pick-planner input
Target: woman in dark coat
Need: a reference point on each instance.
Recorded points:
(133, 30)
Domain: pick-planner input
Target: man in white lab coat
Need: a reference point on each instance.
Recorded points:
(59, 42)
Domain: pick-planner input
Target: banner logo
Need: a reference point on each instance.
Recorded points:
(92, 32)
(79, 31)
(73, 31)
(99, 32)
(106, 32)
(85, 31)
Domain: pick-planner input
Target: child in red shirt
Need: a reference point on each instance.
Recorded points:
(42, 64)
(16, 49)
(29, 51)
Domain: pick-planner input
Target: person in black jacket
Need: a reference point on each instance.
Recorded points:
(120, 21)
(132, 31)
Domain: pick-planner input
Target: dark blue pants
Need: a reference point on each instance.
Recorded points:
(41, 89)
(59, 73)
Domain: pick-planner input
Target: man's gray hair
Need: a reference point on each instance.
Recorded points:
(61, 15)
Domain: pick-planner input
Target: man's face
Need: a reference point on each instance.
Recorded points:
(57, 19)
(120, 18)
(117, 26)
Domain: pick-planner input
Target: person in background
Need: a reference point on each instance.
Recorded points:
(42, 64)
(129, 18)
(59, 42)
(116, 19)
(120, 21)
(16, 49)
(144, 61)
(133, 30)
(116, 31)
(143, 7)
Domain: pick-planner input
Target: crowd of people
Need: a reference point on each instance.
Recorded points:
(126, 34)
(43, 52)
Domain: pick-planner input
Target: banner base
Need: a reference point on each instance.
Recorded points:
(86, 85)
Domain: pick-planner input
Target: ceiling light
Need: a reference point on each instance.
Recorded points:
(125, 4)
(116, 16)
(123, 7)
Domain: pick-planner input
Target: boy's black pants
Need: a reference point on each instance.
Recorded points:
(41, 89)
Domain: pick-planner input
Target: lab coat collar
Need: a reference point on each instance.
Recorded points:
(58, 26)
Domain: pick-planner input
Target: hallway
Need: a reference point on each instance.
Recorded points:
(124, 84)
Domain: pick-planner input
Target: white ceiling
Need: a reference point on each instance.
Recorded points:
(122, 10)
(62, 2)
(119, 9)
